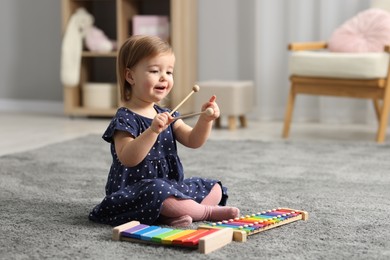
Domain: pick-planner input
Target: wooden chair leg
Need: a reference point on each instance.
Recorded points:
(377, 109)
(232, 123)
(243, 121)
(384, 116)
(218, 122)
(289, 112)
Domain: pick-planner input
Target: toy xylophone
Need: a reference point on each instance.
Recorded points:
(206, 240)
(261, 221)
(211, 236)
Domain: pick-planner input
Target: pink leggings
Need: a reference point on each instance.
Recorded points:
(208, 209)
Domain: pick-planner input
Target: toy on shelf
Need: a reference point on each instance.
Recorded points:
(97, 40)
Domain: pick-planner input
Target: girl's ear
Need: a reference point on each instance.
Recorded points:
(129, 76)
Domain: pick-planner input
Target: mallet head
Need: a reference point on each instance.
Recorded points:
(209, 111)
(195, 88)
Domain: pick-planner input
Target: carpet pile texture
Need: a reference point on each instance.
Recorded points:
(47, 193)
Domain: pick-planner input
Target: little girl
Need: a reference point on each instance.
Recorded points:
(146, 180)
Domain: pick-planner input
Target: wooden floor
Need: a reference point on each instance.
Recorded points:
(20, 132)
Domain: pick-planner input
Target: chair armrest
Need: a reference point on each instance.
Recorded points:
(387, 48)
(301, 46)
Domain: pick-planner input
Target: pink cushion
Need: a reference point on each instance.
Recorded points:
(368, 31)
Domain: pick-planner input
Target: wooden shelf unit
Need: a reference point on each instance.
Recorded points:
(114, 18)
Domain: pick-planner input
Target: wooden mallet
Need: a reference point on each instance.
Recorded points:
(209, 111)
(195, 88)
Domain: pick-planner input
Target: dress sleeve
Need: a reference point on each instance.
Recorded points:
(122, 121)
(125, 120)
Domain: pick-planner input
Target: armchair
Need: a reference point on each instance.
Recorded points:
(316, 71)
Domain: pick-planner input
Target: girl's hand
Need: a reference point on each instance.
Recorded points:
(212, 104)
(160, 122)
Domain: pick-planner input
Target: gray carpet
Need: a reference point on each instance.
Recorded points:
(46, 194)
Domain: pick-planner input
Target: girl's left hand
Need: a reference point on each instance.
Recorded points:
(212, 104)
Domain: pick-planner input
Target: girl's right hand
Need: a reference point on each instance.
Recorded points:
(160, 122)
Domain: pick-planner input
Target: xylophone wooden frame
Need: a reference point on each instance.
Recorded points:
(216, 240)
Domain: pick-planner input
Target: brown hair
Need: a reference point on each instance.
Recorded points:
(133, 50)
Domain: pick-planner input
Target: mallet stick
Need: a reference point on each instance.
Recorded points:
(209, 111)
(195, 88)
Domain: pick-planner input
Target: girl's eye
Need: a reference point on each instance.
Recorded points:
(154, 71)
(170, 73)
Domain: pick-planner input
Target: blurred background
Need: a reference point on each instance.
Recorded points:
(237, 40)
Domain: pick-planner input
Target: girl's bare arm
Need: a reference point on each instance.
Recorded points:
(131, 151)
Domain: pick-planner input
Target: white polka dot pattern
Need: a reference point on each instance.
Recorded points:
(137, 193)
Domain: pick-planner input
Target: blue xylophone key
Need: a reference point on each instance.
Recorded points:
(150, 235)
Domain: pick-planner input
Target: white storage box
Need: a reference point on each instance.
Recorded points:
(234, 98)
(99, 95)
(157, 25)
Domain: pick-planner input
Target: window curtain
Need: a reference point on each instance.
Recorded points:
(279, 22)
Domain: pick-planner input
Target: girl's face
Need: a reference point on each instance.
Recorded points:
(152, 78)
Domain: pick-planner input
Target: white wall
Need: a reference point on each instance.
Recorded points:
(226, 39)
(218, 42)
(30, 50)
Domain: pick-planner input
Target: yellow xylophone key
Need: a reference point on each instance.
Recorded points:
(160, 237)
(168, 240)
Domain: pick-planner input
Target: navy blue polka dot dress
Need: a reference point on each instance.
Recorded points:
(137, 193)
